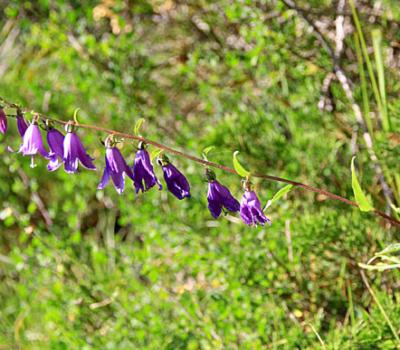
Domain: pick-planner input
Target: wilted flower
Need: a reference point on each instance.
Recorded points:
(177, 183)
(219, 196)
(55, 140)
(143, 172)
(3, 121)
(32, 143)
(250, 209)
(21, 124)
(116, 167)
(75, 152)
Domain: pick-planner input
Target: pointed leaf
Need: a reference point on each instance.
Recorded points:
(155, 153)
(206, 151)
(138, 125)
(392, 248)
(239, 167)
(379, 266)
(281, 193)
(76, 115)
(361, 199)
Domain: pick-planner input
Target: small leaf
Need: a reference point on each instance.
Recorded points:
(395, 209)
(206, 151)
(281, 193)
(392, 248)
(138, 125)
(155, 153)
(361, 199)
(238, 167)
(379, 266)
(76, 115)
(278, 195)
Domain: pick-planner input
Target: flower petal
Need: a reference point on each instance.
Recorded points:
(143, 172)
(250, 209)
(32, 143)
(228, 201)
(119, 181)
(85, 159)
(70, 157)
(54, 162)
(3, 121)
(55, 140)
(22, 125)
(105, 178)
(176, 182)
(246, 216)
(215, 208)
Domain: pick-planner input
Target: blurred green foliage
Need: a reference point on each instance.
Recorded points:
(152, 272)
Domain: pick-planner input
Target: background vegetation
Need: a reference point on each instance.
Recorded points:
(87, 269)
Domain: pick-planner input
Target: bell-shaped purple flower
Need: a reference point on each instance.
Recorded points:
(3, 121)
(21, 124)
(143, 172)
(219, 197)
(176, 182)
(116, 167)
(55, 140)
(32, 143)
(75, 152)
(250, 210)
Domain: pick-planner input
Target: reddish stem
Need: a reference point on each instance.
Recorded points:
(206, 162)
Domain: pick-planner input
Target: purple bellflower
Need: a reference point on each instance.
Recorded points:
(3, 121)
(32, 143)
(250, 209)
(75, 152)
(219, 196)
(55, 140)
(21, 124)
(116, 167)
(143, 172)
(176, 182)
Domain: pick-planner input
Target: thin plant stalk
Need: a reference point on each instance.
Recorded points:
(200, 160)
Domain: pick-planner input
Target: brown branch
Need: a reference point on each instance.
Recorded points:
(200, 160)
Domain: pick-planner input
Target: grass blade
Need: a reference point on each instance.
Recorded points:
(364, 89)
(376, 42)
(369, 64)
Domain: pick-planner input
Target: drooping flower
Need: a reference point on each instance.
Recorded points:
(219, 196)
(55, 140)
(116, 167)
(176, 182)
(3, 121)
(21, 124)
(75, 152)
(143, 172)
(32, 143)
(250, 209)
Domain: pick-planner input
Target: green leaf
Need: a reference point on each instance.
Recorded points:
(155, 153)
(238, 167)
(395, 209)
(206, 151)
(379, 266)
(138, 125)
(392, 248)
(281, 193)
(76, 115)
(363, 202)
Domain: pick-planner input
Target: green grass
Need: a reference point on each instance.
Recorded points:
(151, 272)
